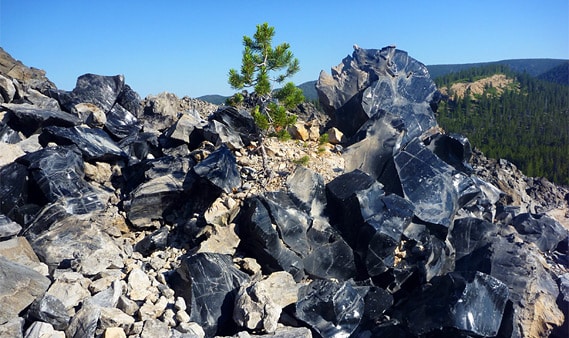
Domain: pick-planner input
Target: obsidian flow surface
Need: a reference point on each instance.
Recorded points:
(404, 243)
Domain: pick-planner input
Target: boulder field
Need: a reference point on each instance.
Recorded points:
(167, 217)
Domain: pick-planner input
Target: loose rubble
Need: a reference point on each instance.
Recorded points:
(168, 217)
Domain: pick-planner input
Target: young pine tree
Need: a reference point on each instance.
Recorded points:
(261, 66)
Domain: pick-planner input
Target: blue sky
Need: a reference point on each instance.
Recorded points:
(187, 47)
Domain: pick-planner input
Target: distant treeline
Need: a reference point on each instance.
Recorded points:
(528, 124)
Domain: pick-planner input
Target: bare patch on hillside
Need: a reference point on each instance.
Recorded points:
(498, 81)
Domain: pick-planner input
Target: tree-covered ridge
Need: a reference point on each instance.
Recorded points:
(528, 123)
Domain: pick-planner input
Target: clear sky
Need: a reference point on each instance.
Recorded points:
(188, 47)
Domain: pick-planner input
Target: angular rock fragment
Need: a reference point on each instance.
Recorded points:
(102, 91)
(29, 119)
(152, 200)
(58, 172)
(374, 146)
(258, 305)
(332, 309)
(94, 144)
(262, 241)
(343, 205)
(471, 302)
(121, 123)
(452, 148)
(42, 329)
(542, 230)
(13, 190)
(370, 81)
(428, 183)
(519, 266)
(51, 310)
(8, 228)
(187, 128)
(209, 283)
(239, 122)
(307, 190)
(19, 288)
(211, 177)
(84, 323)
(8, 135)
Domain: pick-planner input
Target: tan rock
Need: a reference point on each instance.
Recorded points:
(114, 332)
(335, 136)
(299, 132)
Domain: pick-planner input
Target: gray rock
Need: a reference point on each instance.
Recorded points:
(127, 305)
(51, 310)
(71, 288)
(184, 128)
(258, 306)
(14, 328)
(19, 288)
(8, 228)
(160, 111)
(307, 190)
(107, 298)
(84, 323)
(41, 329)
(138, 284)
(154, 328)
(77, 239)
(39, 100)
(113, 317)
(7, 89)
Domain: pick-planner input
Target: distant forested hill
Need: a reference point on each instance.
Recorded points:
(510, 115)
(533, 67)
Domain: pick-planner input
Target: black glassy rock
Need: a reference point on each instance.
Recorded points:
(13, 189)
(428, 183)
(483, 246)
(102, 91)
(542, 230)
(239, 122)
(375, 144)
(219, 170)
(29, 119)
(107, 93)
(155, 188)
(94, 144)
(332, 309)
(307, 190)
(343, 205)
(454, 149)
(210, 281)
(58, 172)
(262, 241)
(471, 302)
(372, 80)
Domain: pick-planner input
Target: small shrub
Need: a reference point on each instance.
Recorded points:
(303, 160)
(323, 139)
